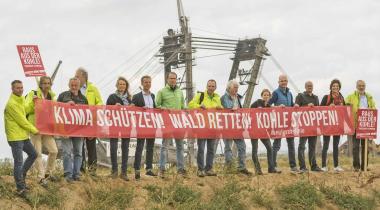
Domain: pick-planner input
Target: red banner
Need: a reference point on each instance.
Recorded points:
(31, 60)
(367, 124)
(61, 119)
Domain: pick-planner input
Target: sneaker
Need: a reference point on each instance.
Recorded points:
(51, 177)
(294, 170)
(245, 172)
(182, 172)
(304, 170)
(324, 169)
(356, 169)
(77, 179)
(22, 193)
(161, 174)
(113, 175)
(274, 171)
(137, 175)
(43, 182)
(124, 177)
(259, 172)
(316, 169)
(210, 173)
(150, 173)
(200, 173)
(338, 169)
(69, 179)
(278, 170)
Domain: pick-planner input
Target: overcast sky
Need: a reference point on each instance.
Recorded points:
(312, 40)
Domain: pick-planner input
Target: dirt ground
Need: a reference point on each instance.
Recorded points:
(77, 193)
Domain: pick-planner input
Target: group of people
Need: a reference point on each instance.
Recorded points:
(23, 136)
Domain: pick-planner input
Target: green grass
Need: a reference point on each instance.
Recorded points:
(6, 167)
(175, 195)
(347, 200)
(105, 197)
(300, 195)
(6, 190)
(50, 197)
(261, 198)
(228, 197)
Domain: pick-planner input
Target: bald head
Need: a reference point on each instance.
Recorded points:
(283, 81)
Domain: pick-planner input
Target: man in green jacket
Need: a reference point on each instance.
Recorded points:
(171, 97)
(94, 98)
(17, 129)
(48, 141)
(359, 99)
(206, 100)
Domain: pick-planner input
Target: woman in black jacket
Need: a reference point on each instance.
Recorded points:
(335, 98)
(263, 103)
(121, 97)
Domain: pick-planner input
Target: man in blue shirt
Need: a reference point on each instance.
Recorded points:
(283, 97)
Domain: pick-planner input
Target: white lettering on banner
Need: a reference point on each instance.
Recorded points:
(216, 120)
(201, 120)
(276, 120)
(118, 118)
(57, 116)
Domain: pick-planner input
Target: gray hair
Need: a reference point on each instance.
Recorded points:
(83, 72)
(231, 83)
(73, 79)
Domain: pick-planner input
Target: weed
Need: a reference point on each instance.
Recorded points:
(301, 195)
(346, 200)
(105, 197)
(50, 197)
(6, 167)
(229, 197)
(262, 198)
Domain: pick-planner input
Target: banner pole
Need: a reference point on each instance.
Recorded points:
(365, 154)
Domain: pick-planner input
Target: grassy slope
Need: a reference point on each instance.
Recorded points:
(226, 191)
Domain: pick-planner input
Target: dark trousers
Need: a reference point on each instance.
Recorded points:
(255, 158)
(124, 154)
(92, 158)
(312, 142)
(20, 167)
(148, 156)
(209, 154)
(358, 162)
(291, 151)
(326, 143)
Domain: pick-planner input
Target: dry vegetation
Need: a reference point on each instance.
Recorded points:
(347, 190)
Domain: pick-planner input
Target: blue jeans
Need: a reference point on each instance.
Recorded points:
(179, 153)
(240, 144)
(21, 167)
(72, 147)
(201, 154)
(291, 151)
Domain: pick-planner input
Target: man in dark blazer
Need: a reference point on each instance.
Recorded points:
(144, 99)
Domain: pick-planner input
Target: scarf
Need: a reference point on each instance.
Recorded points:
(124, 97)
(337, 98)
